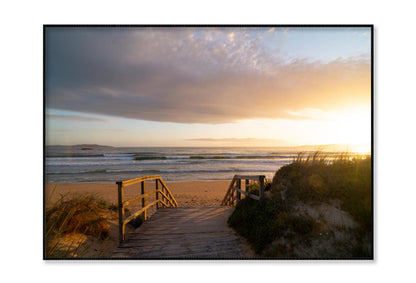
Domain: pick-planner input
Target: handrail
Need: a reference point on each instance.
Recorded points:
(166, 200)
(229, 198)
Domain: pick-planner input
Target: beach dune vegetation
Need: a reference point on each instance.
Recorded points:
(317, 208)
(71, 220)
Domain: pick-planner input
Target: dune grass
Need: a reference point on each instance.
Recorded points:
(310, 179)
(314, 177)
(81, 214)
(83, 217)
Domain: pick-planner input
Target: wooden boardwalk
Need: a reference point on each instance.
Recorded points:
(183, 233)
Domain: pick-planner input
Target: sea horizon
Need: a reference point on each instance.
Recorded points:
(90, 163)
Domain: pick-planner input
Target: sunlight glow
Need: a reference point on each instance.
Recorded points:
(350, 127)
(353, 126)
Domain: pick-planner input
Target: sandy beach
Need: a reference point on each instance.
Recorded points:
(194, 193)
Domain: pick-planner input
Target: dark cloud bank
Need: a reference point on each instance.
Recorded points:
(189, 76)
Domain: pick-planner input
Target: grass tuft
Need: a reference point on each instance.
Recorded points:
(73, 214)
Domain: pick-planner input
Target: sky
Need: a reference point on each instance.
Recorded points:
(208, 86)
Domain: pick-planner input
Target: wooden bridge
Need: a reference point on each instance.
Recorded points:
(174, 232)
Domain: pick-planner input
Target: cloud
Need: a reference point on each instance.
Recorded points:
(308, 114)
(189, 75)
(76, 118)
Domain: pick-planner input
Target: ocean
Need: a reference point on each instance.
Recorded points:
(104, 164)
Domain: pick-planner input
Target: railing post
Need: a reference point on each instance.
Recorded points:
(165, 199)
(157, 194)
(238, 195)
(144, 200)
(247, 184)
(261, 187)
(232, 200)
(232, 194)
(120, 211)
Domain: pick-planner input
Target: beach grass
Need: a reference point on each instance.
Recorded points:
(315, 177)
(74, 215)
(81, 225)
(296, 219)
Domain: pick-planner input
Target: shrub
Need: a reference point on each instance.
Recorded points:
(302, 224)
(255, 221)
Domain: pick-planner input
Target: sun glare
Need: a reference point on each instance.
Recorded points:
(350, 127)
(353, 127)
(361, 149)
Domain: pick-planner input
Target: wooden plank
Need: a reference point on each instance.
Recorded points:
(121, 254)
(177, 231)
(120, 212)
(210, 255)
(248, 194)
(164, 191)
(157, 194)
(239, 188)
(127, 202)
(166, 197)
(248, 177)
(164, 203)
(131, 217)
(143, 191)
(181, 229)
(184, 251)
(225, 201)
(168, 243)
(241, 191)
(179, 239)
(207, 237)
(182, 233)
(169, 192)
(137, 180)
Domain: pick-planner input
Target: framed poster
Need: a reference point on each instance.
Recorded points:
(208, 142)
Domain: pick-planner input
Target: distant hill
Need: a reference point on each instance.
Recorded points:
(80, 145)
(91, 145)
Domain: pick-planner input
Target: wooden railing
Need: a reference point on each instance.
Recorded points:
(234, 190)
(166, 200)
